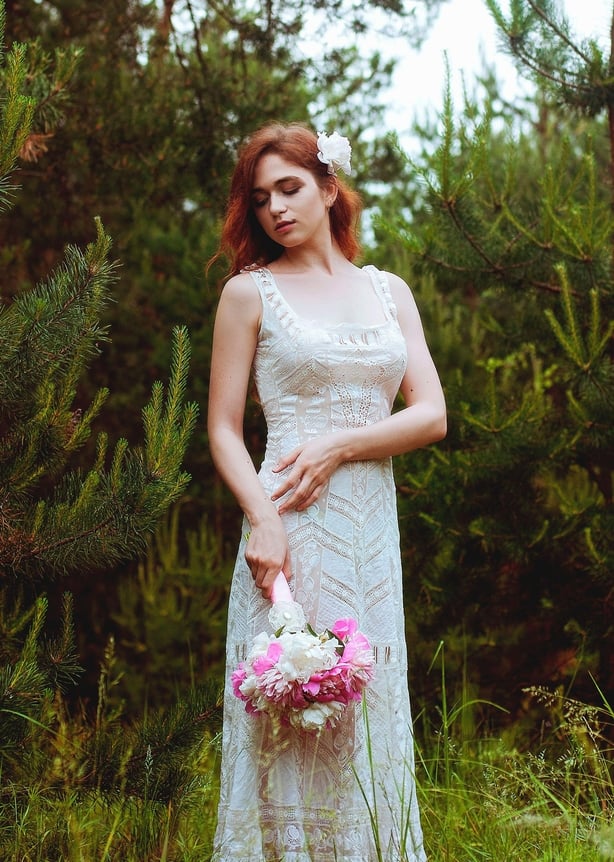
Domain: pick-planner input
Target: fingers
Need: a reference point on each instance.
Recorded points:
(263, 572)
(301, 499)
(306, 484)
(264, 579)
(311, 464)
(301, 467)
(282, 489)
(284, 462)
(293, 477)
(264, 562)
(265, 583)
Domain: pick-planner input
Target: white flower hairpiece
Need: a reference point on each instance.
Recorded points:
(335, 151)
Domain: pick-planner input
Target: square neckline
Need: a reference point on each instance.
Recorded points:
(373, 274)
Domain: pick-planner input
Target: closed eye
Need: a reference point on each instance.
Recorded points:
(259, 202)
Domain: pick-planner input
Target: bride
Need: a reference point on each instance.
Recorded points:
(330, 346)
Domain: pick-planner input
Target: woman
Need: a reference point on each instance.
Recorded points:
(330, 346)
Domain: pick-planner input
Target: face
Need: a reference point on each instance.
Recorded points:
(290, 206)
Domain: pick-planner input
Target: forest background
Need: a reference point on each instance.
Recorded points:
(503, 225)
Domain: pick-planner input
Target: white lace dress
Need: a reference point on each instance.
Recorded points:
(349, 794)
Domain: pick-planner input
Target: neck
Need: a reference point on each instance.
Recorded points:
(326, 261)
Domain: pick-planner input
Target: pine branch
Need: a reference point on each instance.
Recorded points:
(105, 517)
(59, 655)
(22, 113)
(17, 109)
(150, 759)
(557, 59)
(14, 619)
(561, 30)
(16, 116)
(23, 685)
(47, 336)
(583, 353)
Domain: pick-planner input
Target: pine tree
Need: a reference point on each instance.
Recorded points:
(508, 524)
(55, 519)
(157, 113)
(147, 142)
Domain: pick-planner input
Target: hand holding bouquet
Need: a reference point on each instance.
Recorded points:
(298, 677)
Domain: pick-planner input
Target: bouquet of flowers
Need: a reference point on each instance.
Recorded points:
(298, 677)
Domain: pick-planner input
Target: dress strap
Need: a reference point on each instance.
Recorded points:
(272, 300)
(382, 287)
(264, 282)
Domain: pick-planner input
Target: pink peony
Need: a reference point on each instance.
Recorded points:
(237, 678)
(357, 650)
(344, 628)
(269, 660)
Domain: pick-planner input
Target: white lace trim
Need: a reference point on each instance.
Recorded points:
(274, 834)
(341, 333)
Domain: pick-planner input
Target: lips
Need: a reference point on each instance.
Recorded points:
(281, 226)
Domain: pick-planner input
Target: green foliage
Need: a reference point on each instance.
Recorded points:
(484, 797)
(147, 758)
(24, 685)
(44, 664)
(171, 615)
(56, 519)
(507, 525)
(112, 789)
(47, 336)
(481, 796)
(16, 113)
(541, 38)
(27, 119)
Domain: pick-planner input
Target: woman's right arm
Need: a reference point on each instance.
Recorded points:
(234, 344)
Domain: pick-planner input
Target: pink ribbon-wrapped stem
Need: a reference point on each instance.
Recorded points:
(281, 590)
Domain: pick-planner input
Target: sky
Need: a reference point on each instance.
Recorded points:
(465, 30)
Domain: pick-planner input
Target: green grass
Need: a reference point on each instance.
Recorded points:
(485, 801)
(45, 823)
(499, 804)
(483, 798)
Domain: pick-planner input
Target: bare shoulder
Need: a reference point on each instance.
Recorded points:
(398, 286)
(402, 295)
(240, 297)
(241, 287)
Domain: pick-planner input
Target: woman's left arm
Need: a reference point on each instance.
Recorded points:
(420, 422)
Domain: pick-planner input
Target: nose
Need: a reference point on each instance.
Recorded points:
(277, 204)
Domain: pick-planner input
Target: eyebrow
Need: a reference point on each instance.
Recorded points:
(278, 183)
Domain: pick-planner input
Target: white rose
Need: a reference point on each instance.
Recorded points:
(335, 151)
(260, 646)
(249, 686)
(317, 715)
(303, 655)
(287, 615)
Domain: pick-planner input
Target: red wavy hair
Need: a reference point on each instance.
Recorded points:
(243, 241)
